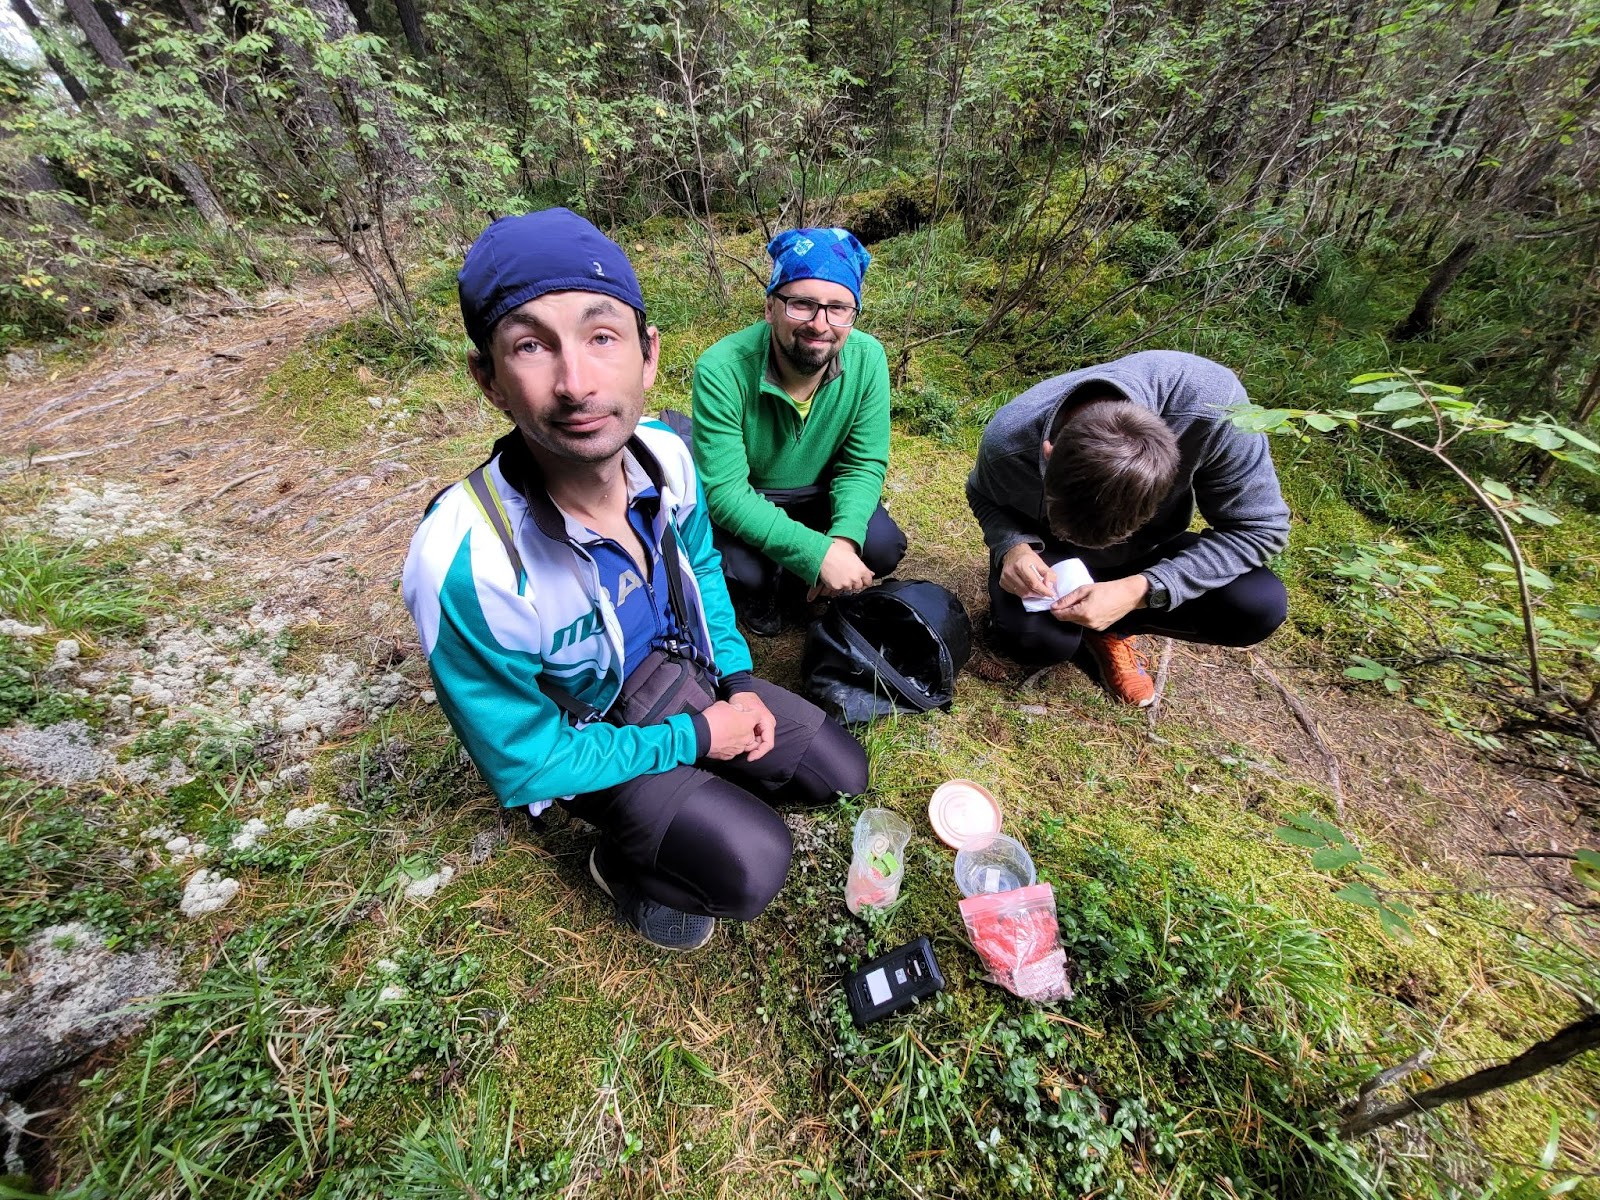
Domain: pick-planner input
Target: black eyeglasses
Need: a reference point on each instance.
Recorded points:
(798, 308)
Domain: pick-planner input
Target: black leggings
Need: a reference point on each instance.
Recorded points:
(753, 571)
(703, 838)
(1240, 613)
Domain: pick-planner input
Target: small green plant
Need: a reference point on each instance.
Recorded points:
(58, 865)
(468, 1150)
(24, 695)
(1335, 854)
(242, 1081)
(1433, 626)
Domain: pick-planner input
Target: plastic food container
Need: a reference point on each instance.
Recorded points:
(877, 861)
(993, 863)
(960, 810)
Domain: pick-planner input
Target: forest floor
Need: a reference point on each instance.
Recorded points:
(263, 528)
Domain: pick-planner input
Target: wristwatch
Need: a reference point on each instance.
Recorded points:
(1157, 596)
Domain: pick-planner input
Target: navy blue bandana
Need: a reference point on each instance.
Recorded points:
(518, 259)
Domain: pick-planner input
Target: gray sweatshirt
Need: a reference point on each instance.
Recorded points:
(1224, 472)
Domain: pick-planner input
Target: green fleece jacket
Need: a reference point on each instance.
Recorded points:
(749, 435)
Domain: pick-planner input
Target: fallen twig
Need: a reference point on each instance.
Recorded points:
(1259, 667)
(69, 455)
(361, 516)
(228, 487)
(1036, 676)
(1162, 668)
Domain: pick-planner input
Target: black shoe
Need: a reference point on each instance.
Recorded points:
(761, 614)
(668, 928)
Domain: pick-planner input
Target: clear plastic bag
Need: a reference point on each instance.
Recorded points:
(1016, 935)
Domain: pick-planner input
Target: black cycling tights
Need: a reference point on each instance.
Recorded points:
(711, 844)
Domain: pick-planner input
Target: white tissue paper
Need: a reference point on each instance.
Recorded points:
(1070, 573)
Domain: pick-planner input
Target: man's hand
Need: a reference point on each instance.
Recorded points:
(1101, 605)
(842, 571)
(1023, 573)
(734, 730)
(766, 724)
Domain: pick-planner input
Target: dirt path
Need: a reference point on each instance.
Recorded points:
(178, 410)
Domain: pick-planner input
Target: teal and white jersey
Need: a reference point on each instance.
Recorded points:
(489, 634)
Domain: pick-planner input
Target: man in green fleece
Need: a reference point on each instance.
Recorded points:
(791, 434)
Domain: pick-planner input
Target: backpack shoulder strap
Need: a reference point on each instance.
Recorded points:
(488, 502)
(487, 499)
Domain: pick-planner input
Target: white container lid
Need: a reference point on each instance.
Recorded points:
(960, 809)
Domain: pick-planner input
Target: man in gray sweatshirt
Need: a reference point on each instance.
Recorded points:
(1108, 465)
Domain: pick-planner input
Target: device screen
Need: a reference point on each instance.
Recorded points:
(878, 985)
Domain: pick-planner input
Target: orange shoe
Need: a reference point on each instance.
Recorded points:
(1122, 667)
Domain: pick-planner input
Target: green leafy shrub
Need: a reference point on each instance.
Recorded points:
(59, 865)
(928, 410)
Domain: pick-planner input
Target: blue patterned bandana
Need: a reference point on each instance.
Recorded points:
(831, 254)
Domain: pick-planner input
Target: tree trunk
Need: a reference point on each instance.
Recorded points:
(112, 20)
(363, 102)
(79, 94)
(1577, 1038)
(109, 51)
(38, 192)
(1420, 321)
(411, 22)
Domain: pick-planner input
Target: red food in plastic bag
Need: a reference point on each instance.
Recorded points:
(1016, 936)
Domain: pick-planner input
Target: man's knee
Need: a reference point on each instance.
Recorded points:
(1039, 647)
(1037, 639)
(1257, 604)
(743, 566)
(750, 869)
(834, 764)
(885, 543)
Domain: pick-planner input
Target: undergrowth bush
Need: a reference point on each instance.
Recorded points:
(1184, 994)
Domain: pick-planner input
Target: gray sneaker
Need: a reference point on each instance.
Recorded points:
(658, 924)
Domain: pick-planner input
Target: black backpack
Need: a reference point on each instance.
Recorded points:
(893, 648)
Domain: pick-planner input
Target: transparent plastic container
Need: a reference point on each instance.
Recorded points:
(993, 862)
(877, 861)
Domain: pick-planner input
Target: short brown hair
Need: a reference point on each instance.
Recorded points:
(1111, 465)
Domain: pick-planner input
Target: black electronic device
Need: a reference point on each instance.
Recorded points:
(893, 981)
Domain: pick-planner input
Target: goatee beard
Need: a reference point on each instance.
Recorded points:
(804, 361)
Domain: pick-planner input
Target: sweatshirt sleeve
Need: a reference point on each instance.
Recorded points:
(527, 750)
(1003, 526)
(863, 459)
(718, 404)
(1236, 490)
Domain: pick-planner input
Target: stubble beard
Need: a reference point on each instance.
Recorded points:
(580, 448)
